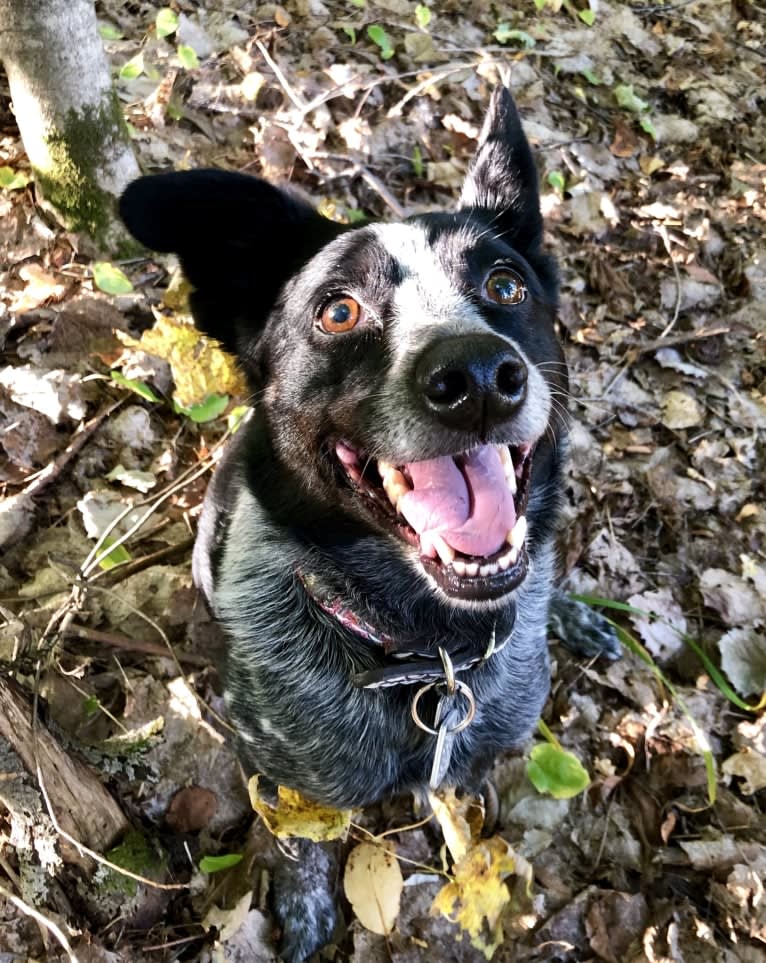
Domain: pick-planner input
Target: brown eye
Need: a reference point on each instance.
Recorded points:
(341, 315)
(505, 287)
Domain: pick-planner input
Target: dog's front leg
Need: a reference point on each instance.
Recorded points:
(304, 897)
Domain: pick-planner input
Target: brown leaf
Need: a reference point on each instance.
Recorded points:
(191, 809)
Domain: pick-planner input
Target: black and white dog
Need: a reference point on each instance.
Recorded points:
(377, 542)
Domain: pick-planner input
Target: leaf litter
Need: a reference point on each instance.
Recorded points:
(648, 123)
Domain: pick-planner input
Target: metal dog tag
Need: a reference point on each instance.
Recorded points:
(448, 720)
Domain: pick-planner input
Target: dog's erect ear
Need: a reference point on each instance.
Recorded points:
(238, 239)
(503, 179)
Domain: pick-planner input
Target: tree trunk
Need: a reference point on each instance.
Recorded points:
(69, 116)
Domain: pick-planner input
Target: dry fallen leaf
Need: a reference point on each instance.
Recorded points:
(750, 766)
(200, 368)
(373, 885)
(478, 894)
(461, 820)
(296, 816)
(680, 410)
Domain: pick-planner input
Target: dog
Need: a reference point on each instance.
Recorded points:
(377, 542)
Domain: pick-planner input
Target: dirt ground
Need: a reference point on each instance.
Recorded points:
(648, 124)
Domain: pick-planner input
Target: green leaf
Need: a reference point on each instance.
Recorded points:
(379, 36)
(554, 771)
(417, 161)
(355, 215)
(359, 3)
(648, 126)
(208, 410)
(141, 389)
(587, 16)
(12, 180)
(117, 557)
(235, 416)
(350, 32)
(214, 864)
(557, 181)
(505, 34)
(91, 706)
(422, 16)
(591, 77)
(108, 31)
(188, 56)
(132, 68)
(166, 22)
(539, 5)
(110, 279)
(625, 97)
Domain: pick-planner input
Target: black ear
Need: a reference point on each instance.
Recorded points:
(502, 180)
(238, 239)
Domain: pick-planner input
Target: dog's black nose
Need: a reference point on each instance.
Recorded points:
(471, 382)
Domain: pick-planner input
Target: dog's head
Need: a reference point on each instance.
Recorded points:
(408, 378)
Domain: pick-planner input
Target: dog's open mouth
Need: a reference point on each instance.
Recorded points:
(464, 512)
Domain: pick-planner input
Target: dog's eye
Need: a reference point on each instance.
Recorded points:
(505, 287)
(341, 315)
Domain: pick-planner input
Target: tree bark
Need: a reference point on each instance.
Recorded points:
(69, 116)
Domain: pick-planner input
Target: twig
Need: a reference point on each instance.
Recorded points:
(684, 338)
(663, 233)
(297, 100)
(120, 572)
(36, 915)
(117, 641)
(51, 472)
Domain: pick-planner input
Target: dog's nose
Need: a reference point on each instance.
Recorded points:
(471, 382)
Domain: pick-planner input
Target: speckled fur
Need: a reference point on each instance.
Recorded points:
(260, 261)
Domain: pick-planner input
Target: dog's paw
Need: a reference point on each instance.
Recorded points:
(304, 900)
(582, 629)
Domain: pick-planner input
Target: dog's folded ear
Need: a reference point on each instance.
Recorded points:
(502, 180)
(238, 239)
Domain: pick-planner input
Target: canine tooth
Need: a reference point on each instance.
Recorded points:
(490, 569)
(504, 562)
(446, 552)
(519, 532)
(513, 556)
(395, 486)
(507, 462)
(385, 468)
(459, 566)
(472, 568)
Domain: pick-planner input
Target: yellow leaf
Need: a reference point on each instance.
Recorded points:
(478, 894)
(373, 885)
(296, 816)
(200, 368)
(461, 820)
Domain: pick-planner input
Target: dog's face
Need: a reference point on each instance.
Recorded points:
(407, 376)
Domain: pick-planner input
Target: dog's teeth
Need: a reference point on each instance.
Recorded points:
(504, 562)
(513, 556)
(459, 566)
(395, 485)
(385, 468)
(490, 569)
(472, 568)
(507, 462)
(518, 533)
(446, 552)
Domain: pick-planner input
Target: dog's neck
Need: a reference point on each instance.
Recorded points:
(407, 654)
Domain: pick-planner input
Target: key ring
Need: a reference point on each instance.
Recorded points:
(459, 687)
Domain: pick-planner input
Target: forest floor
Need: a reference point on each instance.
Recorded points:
(648, 124)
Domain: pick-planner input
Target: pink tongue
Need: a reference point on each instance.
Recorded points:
(472, 509)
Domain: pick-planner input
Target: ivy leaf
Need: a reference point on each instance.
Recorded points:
(108, 31)
(188, 56)
(132, 68)
(117, 557)
(379, 37)
(422, 16)
(505, 34)
(554, 771)
(166, 22)
(214, 864)
(627, 98)
(208, 410)
(110, 279)
(557, 181)
(12, 180)
(587, 16)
